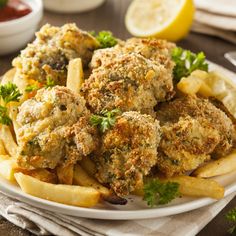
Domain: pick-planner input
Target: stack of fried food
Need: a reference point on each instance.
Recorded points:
(88, 118)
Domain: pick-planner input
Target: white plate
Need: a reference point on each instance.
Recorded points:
(136, 208)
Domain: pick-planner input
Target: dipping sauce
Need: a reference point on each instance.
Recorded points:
(13, 10)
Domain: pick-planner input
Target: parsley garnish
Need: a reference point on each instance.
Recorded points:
(8, 93)
(231, 216)
(50, 82)
(105, 120)
(186, 62)
(4, 118)
(3, 3)
(31, 88)
(105, 39)
(158, 193)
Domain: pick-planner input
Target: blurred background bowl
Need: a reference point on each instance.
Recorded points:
(15, 34)
(71, 6)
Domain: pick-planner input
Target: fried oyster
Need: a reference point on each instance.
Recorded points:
(54, 129)
(128, 151)
(192, 130)
(51, 51)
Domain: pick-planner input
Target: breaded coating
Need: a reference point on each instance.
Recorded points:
(157, 50)
(200, 108)
(50, 53)
(50, 125)
(186, 144)
(128, 151)
(130, 83)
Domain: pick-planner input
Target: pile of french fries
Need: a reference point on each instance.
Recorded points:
(77, 186)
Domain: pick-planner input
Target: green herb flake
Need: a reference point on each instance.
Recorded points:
(10, 93)
(105, 39)
(3, 3)
(186, 62)
(159, 193)
(4, 118)
(231, 216)
(105, 120)
(50, 82)
(31, 88)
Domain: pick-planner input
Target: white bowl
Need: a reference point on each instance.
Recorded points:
(66, 6)
(15, 34)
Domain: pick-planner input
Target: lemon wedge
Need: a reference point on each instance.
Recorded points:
(166, 19)
(212, 84)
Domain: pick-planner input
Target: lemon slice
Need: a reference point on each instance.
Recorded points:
(166, 19)
(212, 84)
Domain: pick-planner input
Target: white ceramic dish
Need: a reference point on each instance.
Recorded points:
(136, 208)
(15, 34)
(71, 6)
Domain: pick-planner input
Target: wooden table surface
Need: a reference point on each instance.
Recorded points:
(110, 16)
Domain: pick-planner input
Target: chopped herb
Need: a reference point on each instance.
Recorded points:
(186, 62)
(31, 88)
(9, 93)
(105, 39)
(105, 120)
(4, 118)
(3, 3)
(158, 193)
(231, 216)
(50, 83)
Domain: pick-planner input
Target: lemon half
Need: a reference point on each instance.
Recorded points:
(166, 19)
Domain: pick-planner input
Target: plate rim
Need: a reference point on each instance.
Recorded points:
(9, 189)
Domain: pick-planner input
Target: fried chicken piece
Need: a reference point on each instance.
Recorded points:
(54, 129)
(201, 108)
(186, 144)
(128, 151)
(50, 53)
(129, 82)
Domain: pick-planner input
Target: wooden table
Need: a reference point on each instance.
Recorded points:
(110, 16)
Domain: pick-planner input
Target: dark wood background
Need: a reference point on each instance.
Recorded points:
(110, 16)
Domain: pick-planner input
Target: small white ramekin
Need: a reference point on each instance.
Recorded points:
(71, 6)
(15, 34)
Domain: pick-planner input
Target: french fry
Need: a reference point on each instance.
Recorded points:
(65, 174)
(88, 166)
(83, 179)
(8, 140)
(221, 166)
(197, 187)
(75, 77)
(8, 167)
(41, 174)
(66, 194)
(8, 76)
(2, 148)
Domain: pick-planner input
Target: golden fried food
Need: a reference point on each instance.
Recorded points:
(50, 53)
(129, 82)
(128, 152)
(200, 108)
(46, 137)
(185, 145)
